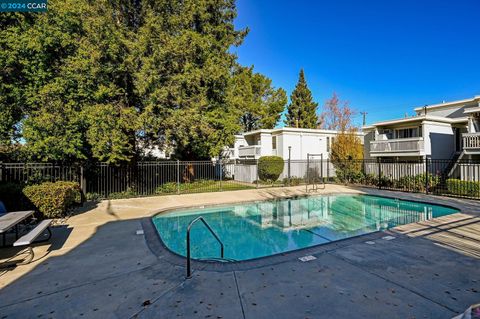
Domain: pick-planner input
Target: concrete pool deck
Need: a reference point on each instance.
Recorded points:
(98, 267)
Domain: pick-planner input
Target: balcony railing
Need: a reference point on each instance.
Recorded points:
(401, 145)
(249, 151)
(471, 141)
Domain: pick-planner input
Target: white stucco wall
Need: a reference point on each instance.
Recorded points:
(266, 143)
(301, 142)
(239, 141)
(439, 140)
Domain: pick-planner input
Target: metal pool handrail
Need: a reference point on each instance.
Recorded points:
(189, 271)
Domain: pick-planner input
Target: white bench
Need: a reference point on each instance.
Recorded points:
(11, 220)
(31, 236)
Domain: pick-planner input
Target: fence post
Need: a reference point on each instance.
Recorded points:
(321, 168)
(328, 170)
(1, 171)
(178, 176)
(289, 172)
(83, 181)
(221, 175)
(379, 173)
(308, 172)
(426, 174)
(256, 165)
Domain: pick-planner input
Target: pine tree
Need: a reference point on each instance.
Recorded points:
(301, 111)
(259, 103)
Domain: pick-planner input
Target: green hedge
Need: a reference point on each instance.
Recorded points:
(417, 183)
(54, 199)
(464, 188)
(270, 168)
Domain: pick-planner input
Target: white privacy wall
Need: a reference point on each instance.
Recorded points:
(266, 143)
(438, 140)
(302, 144)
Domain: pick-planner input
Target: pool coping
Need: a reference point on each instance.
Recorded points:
(160, 249)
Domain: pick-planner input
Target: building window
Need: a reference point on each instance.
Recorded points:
(328, 143)
(407, 132)
(274, 142)
(388, 133)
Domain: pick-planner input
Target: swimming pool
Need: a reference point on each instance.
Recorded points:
(259, 229)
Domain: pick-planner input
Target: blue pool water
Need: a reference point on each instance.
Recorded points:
(252, 230)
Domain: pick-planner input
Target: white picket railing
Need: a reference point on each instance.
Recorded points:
(249, 151)
(397, 145)
(471, 140)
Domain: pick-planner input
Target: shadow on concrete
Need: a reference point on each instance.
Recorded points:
(111, 273)
(10, 256)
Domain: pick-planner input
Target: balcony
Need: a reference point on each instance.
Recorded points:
(398, 147)
(471, 141)
(253, 151)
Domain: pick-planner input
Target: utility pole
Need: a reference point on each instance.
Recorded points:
(364, 118)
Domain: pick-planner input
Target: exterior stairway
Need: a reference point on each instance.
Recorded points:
(450, 168)
(448, 171)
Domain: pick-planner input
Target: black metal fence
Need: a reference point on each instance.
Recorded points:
(157, 178)
(32, 173)
(459, 178)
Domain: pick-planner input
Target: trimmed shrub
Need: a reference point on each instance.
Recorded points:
(370, 179)
(385, 181)
(54, 199)
(417, 183)
(270, 168)
(464, 188)
(348, 171)
(294, 181)
(94, 197)
(167, 188)
(129, 193)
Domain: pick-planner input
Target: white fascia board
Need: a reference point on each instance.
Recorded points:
(423, 118)
(447, 104)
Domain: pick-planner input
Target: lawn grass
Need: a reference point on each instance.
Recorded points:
(198, 186)
(202, 186)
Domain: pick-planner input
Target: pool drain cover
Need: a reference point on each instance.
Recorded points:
(307, 258)
(388, 237)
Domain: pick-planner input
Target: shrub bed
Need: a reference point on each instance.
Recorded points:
(200, 186)
(53, 200)
(294, 181)
(417, 183)
(464, 188)
(270, 168)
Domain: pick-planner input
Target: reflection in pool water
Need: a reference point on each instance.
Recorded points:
(252, 230)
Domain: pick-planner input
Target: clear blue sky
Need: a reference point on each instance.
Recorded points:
(385, 57)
